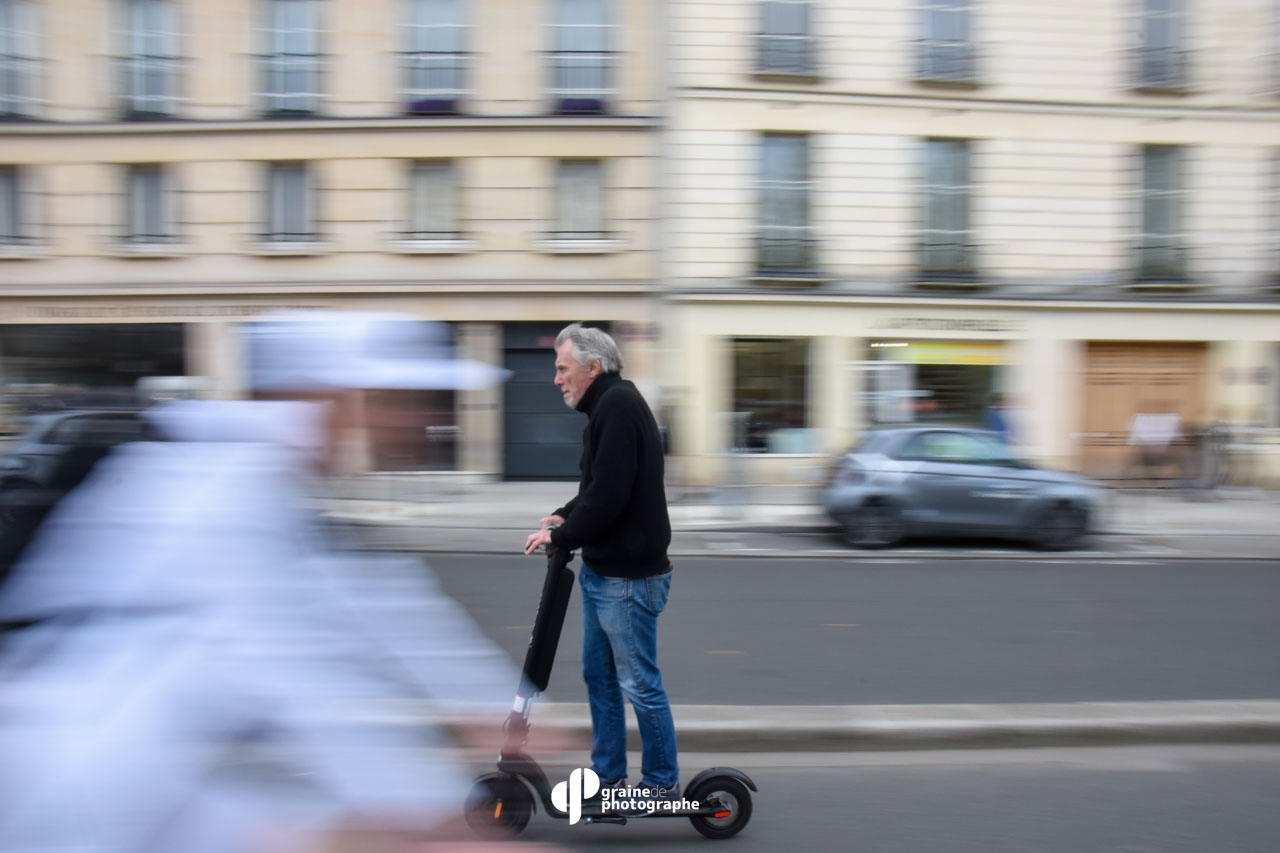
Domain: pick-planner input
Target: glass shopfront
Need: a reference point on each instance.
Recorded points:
(950, 382)
(771, 395)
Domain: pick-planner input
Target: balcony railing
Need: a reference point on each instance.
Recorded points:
(143, 237)
(1161, 261)
(946, 61)
(580, 81)
(948, 257)
(432, 236)
(1162, 69)
(289, 236)
(292, 84)
(149, 86)
(436, 82)
(786, 251)
(18, 87)
(793, 54)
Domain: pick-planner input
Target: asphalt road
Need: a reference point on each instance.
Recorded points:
(1133, 800)
(907, 631)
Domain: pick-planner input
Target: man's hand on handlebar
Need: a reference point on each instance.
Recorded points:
(543, 536)
(537, 540)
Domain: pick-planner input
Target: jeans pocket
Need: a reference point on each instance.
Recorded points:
(602, 588)
(656, 590)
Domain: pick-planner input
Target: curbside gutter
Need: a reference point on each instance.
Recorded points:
(803, 728)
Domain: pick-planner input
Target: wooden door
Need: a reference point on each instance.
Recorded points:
(1123, 379)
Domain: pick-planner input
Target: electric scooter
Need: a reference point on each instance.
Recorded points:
(717, 801)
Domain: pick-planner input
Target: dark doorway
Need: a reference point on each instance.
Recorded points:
(543, 438)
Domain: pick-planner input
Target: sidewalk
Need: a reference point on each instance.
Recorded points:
(805, 728)
(488, 517)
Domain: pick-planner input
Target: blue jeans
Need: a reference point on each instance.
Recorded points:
(620, 656)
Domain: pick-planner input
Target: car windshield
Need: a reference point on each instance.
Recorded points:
(963, 447)
(876, 441)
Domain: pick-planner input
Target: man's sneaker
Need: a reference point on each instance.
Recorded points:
(615, 784)
(648, 801)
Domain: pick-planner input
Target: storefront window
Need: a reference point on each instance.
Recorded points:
(91, 363)
(771, 396)
(413, 430)
(942, 382)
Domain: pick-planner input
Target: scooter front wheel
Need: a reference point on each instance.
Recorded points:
(734, 799)
(499, 806)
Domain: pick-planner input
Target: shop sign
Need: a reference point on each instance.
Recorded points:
(637, 331)
(947, 352)
(127, 312)
(1245, 376)
(950, 324)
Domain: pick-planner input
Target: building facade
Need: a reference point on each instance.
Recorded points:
(888, 212)
(170, 169)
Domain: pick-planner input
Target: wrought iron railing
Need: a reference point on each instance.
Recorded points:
(580, 81)
(793, 54)
(786, 251)
(946, 61)
(436, 82)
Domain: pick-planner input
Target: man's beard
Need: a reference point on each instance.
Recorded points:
(571, 401)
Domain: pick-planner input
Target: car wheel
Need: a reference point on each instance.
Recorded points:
(876, 524)
(1060, 527)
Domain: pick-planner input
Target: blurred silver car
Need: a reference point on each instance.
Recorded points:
(947, 480)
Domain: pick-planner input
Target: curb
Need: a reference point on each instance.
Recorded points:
(778, 728)
(480, 539)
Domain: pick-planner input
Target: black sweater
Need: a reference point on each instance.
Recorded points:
(619, 517)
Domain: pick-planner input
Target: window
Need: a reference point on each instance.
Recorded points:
(946, 243)
(14, 229)
(149, 64)
(1273, 223)
(946, 53)
(1162, 62)
(290, 218)
(1161, 251)
(785, 44)
(579, 200)
(581, 61)
(957, 447)
(771, 395)
(433, 202)
(148, 206)
(785, 243)
(435, 64)
(291, 65)
(19, 63)
(413, 430)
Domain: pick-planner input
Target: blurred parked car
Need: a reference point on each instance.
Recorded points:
(953, 481)
(57, 451)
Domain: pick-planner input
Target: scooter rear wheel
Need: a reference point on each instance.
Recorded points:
(499, 806)
(734, 796)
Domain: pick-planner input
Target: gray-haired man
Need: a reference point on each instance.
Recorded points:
(619, 522)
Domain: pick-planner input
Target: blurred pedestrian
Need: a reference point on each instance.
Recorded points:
(996, 419)
(1153, 435)
(201, 648)
(619, 521)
